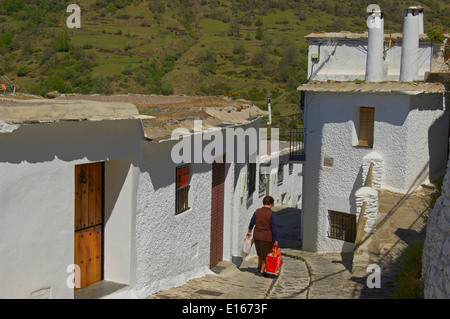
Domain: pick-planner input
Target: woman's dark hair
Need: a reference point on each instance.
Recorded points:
(268, 200)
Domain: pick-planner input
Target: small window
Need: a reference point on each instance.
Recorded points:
(182, 189)
(291, 168)
(251, 178)
(342, 226)
(262, 183)
(366, 126)
(280, 174)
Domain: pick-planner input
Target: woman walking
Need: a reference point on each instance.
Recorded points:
(265, 233)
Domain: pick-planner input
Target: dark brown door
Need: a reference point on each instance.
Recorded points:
(89, 222)
(217, 205)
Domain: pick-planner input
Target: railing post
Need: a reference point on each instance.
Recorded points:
(370, 175)
(361, 224)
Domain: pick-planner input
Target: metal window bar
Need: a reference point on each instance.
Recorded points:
(280, 174)
(262, 184)
(251, 178)
(296, 144)
(342, 226)
(182, 199)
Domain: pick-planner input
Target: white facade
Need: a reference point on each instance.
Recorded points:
(147, 247)
(37, 169)
(172, 249)
(410, 138)
(359, 115)
(283, 179)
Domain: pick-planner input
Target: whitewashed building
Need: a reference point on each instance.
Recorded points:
(281, 177)
(361, 110)
(54, 155)
(93, 182)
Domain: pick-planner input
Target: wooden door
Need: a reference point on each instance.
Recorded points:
(89, 222)
(217, 211)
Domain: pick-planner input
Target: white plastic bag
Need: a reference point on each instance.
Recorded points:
(246, 246)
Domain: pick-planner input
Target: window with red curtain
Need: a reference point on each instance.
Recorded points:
(182, 176)
(182, 189)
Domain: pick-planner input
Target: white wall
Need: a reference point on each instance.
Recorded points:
(172, 249)
(345, 60)
(404, 144)
(37, 168)
(291, 184)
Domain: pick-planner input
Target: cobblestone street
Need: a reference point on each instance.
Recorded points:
(306, 275)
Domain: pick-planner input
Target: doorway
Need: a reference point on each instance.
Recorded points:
(217, 213)
(89, 222)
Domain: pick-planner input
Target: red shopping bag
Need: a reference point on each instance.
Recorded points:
(274, 260)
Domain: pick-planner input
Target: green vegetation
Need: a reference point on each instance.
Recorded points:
(436, 34)
(251, 49)
(409, 284)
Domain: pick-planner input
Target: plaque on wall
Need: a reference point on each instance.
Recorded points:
(328, 161)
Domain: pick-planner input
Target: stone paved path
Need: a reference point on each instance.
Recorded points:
(306, 275)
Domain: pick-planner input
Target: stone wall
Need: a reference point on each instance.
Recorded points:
(436, 250)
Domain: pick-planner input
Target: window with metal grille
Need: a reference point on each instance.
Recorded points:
(280, 175)
(366, 126)
(342, 226)
(262, 183)
(182, 189)
(251, 178)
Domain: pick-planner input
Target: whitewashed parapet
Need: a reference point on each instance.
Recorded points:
(370, 196)
(377, 170)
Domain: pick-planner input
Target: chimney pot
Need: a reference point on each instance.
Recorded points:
(375, 44)
(409, 68)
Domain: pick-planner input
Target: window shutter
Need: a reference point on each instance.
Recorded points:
(366, 126)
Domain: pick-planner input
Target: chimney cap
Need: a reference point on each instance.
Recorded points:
(371, 8)
(415, 8)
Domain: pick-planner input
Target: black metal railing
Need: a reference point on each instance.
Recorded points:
(182, 199)
(296, 144)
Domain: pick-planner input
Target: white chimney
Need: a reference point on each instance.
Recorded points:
(375, 44)
(421, 27)
(409, 66)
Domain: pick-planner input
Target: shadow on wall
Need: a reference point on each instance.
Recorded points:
(70, 141)
(438, 135)
(157, 162)
(289, 228)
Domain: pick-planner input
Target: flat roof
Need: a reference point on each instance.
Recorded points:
(410, 88)
(180, 111)
(357, 35)
(160, 115)
(35, 110)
